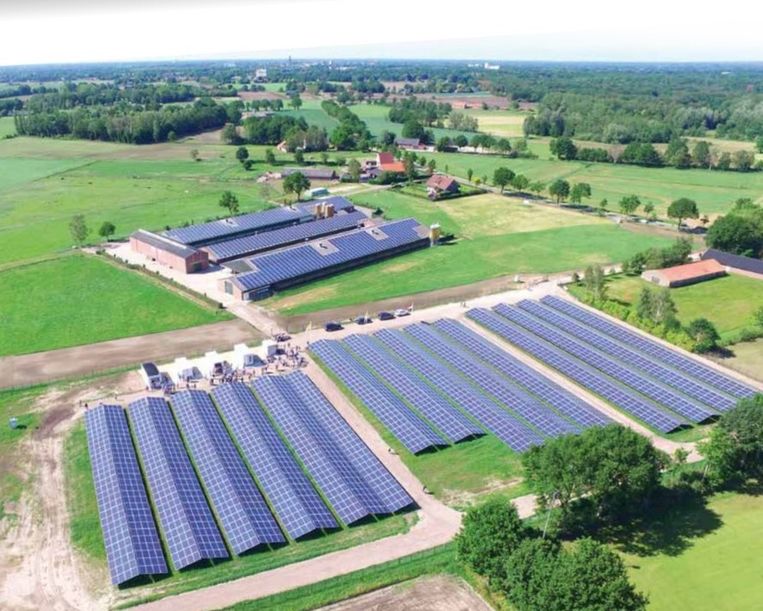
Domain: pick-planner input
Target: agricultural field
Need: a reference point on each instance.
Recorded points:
(707, 557)
(714, 191)
(375, 117)
(727, 302)
(78, 300)
(746, 358)
(499, 123)
(498, 236)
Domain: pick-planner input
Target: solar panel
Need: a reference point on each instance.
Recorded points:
(346, 496)
(492, 383)
(654, 349)
(544, 389)
(495, 419)
(710, 398)
(269, 240)
(413, 390)
(243, 513)
(407, 427)
(335, 252)
(355, 450)
(132, 543)
(186, 520)
(657, 392)
(298, 505)
(584, 375)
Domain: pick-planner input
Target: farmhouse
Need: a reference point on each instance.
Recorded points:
(439, 184)
(736, 263)
(175, 255)
(407, 143)
(388, 163)
(311, 173)
(682, 275)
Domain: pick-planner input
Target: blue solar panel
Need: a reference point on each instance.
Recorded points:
(495, 419)
(129, 533)
(406, 426)
(269, 240)
(710, 398)
(565, 402)
(186, 520)
(298, 505)
(242, 511)
(370, 468)
(654, 349)
(348, 495)
(655, 391)
(331, 253)
(413, 389)
(513, 397)
(584, 375)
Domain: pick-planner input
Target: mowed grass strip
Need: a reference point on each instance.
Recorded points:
(78, 300)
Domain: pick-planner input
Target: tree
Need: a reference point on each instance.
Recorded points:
(461, 141)
(645, 303)
(532, 571)
(353, 168)
(683, 208)
(649, 208)
(559, 189)
(107, 230)
(295, 101)
(78, 229)
(677, 153)
(299, 156)
(489, 532)
(324, 157)
(664, 309)
(242, 154)
(503, 145)
(579, 191)
(757, 316)
(469, 174)
(704, 334)
(409, 163)
(629, 204)
(603, 206)
(734, 451)
(431, 165)
(520, 182)
(270, 157)
(701, 154)
(195, 154)
(536, 187)
(229, 135)
(735, 234)
(230, 202)
(593, 280)
(759, 144)
(743, 160)
(413, 129)
(502, 176)
(563, 148)
(724, 161)
(296, 183)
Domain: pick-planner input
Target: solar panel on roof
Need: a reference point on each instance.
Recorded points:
(243, 513)
(186, 519)
(406, 426)
(298, 505)
(586, 376)
(132, 542)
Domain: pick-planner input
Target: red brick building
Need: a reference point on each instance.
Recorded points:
(168, 252)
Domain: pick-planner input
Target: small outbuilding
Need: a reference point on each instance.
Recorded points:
(683, 275)
(439, 184)
(151, 376)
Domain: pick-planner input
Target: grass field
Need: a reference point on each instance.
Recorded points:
(747, 359)
(705, 558)
(375, 117)
(81, 300)
(87, 538)
(7, 127)
(499, 123)
(728, 302)
(714, 192)
(498, 236)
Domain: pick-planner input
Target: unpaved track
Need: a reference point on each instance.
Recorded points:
(80, 361)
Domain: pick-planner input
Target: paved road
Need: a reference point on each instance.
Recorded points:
(80, 361)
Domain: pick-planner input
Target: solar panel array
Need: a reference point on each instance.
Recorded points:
(574, 369)
(653, 349)
(295, 262)
(348, 494)
(185, 517)
(243, 513)
(410, 430)
(660, 394)
(270, 240)
(712, 399)
(563, 401)
(498, 421)
(295, 500)
(415, 391)
(132, 543)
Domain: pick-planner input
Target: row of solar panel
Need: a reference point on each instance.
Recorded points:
(175, 445)
(433, 385)
(629, 370)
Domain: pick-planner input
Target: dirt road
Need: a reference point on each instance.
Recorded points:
(81, 361)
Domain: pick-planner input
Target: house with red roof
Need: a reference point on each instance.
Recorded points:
(439, 184)
(682, 275)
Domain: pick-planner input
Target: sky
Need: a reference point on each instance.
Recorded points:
(61, 31)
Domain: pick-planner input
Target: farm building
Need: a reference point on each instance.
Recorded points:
(439, 184)
(682, 275)
(311, 173)
(161, 249)
(407, 143)
(387, 163)
(736, 263)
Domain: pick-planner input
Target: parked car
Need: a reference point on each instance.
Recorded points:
(333, 326)
(282, 337)
(386, 315)
(363, 320)
(402, 312)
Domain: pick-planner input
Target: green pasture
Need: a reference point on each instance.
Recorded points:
(79, 299)
(375, 117)
(499, 123)
(7, 127)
